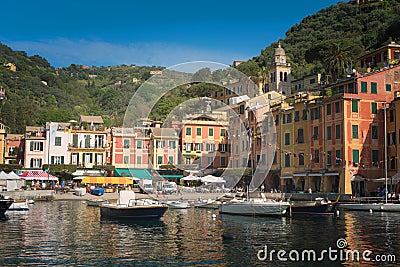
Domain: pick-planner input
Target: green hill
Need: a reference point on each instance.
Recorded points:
(345, 29)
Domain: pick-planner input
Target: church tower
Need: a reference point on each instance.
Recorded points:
(279, 79)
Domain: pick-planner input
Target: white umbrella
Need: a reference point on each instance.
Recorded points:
(191, 178)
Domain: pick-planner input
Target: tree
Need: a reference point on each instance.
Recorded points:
(336, 63)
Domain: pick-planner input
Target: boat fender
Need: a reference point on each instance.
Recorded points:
(370, 210)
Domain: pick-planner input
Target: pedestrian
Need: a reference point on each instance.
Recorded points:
(262, 188)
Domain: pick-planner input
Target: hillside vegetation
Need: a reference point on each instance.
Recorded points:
(344, 30)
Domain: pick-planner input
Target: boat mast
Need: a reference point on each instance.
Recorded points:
(386, 185)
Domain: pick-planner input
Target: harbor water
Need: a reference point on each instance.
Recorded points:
(70, 233)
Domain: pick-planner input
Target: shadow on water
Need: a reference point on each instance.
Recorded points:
(135, 223)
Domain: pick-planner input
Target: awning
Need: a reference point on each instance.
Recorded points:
(138, 173)
(171, 176)
(331, 174)
(106, 180)
(315, 174)
(38, 175)
(286, 177)
(86, 172)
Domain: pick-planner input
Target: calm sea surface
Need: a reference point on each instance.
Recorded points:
(63, 233)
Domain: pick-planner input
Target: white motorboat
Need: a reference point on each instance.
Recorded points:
(254, 207)
(371, 206)
(96, 202)
(19, 206)
(178, 204)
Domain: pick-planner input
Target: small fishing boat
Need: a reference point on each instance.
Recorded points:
(19, 206)
(207, 204)
(178, 204)
(254, 207)
(5, 203)
(127, 207)
(320, 206)
(96, 202)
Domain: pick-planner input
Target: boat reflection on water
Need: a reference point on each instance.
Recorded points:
(148, 223)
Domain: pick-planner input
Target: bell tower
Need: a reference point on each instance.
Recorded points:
(279, 70)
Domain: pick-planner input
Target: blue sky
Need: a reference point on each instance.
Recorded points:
(161, 33)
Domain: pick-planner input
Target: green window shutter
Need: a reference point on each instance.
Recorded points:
(354, 106)
(52, 159)
(198, 131)
(356, 156)
(75, 140)
(363, 87)
(62, 159)
(354, 130)
(388, 87)
(375, 157)
(374, 88)
(374, 108)
(374, 131)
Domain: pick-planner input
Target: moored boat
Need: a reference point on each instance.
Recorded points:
(19, 206)
(393, 207)
(256, 207)
(96, 202)
(178, 204)
(5, 203)
(128, 207)
(320, 206)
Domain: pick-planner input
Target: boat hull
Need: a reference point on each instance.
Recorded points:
(254, 209)
(371, 207)
(133, 212)
(177, 204)
(96, 202)
(19, 206)
(4, 205)
(316, 209)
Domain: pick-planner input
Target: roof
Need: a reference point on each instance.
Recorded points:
(90, 119)
(164, 132)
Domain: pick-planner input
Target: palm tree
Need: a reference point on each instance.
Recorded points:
(262, 78)
(336, 62)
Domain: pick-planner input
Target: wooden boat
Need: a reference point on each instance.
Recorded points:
(178, 204)
(96, 202)
(128, 207)
(19, 206)
(5, 203)
(320, 206)
(254, 207)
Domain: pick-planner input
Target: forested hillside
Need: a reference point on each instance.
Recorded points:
(345, 31)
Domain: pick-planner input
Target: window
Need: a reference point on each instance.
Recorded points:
(374, 108)
(160, 160)
(312, 81)
(375, 157)
(354, 131)
(210, 132)
(139, 144)
(287, 160)
(87, 141)
(337, 107)
(297, 116)
(374, 132)
(328, 109)
(172, 144)
(36, 163)
(363, 87)
(315, 133)
(126, 143)
(304, 114)
(188, 131)
(337, 159)
(354, 105)
(99, 141)
(391, 115)
(287, 139)
(329, 132)
(57, 141)
(98, 158)
(316, 156)
(223, 132)
(329, 158)
(75, 158)
(87, 157)
(138, 159)
(277, 120)
(198, 131)
(126, 159)
(300, 136)
(337, 131)
(36, 146)
(57, 159)
(171, 160)
(374, 89)
(388, 87)
(356, 157)
(223, 161)
(301, 159)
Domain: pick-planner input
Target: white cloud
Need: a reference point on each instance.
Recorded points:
(63, 52)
